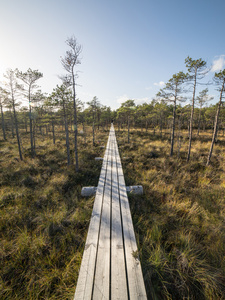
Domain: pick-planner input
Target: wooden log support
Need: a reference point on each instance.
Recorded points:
(88, 191)
(91, 190)
(135, 189)
(110, 267)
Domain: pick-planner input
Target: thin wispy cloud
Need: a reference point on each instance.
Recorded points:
(161, 83)
(218, 63)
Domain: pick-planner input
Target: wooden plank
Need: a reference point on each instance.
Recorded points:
(134, 272)
(108, 265)
(102, 275)
(86, 275)
(118, 268)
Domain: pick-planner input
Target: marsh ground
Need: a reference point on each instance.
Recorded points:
(179, 221)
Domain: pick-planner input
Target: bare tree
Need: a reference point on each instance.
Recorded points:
(12, 88)
(29, 78)
(69, 62)
(219, 79)
(197, 70)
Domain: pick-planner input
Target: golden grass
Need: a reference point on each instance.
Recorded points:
(43, 219)
(179, 221)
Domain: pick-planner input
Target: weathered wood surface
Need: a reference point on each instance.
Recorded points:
(109, 268)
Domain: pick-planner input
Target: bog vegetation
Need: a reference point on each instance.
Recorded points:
(174, 150)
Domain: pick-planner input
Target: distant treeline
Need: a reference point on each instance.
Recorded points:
(62, 108)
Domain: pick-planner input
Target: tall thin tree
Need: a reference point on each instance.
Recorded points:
(69, 62)
(201, 100)
(219, 79)
(94, 106)
(60, 97)
(127, 110)
(29, 78)
(3, 98)
(197, 69)
(12, 88)
(173, 93)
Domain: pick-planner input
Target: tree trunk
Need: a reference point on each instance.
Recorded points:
(128, 130)
(173, 127)
(191, 119)
(17, 131)
(3, 123)
(199, 121)
(98, 115)
(84, 133)
(179, 138)
(75, 122)
(53, 132)
(93, 133)
(31, 129)
(161, 126)
(34, 140)
(67, 135)
(12, 125)
(215, 125)
(31, 133)
(204, 125)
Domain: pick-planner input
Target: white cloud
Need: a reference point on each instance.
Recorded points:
(122, 99)
(161, 83)
(148, 88)
(218, 63)
(137, 101)
(141, 100)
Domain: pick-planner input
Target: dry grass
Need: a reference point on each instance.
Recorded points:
(43, 219)
(179, 221)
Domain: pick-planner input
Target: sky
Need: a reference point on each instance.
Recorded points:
(130, 48)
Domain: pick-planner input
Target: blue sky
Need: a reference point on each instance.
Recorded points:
(129, 47)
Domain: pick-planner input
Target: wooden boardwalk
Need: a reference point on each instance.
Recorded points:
(109, 268)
